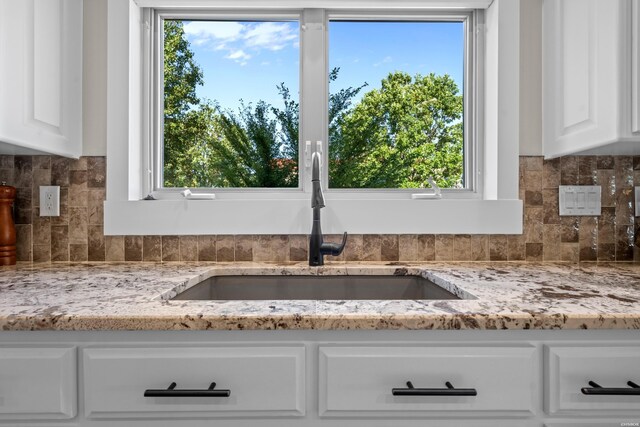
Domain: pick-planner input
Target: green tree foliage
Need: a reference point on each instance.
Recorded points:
(181, 73)
(258, 149)
(399, 135)
(185, 115)
(340, 104)
(207, 147)
(252, 150)
(395, 137)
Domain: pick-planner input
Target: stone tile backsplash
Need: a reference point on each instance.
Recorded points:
(77, 234)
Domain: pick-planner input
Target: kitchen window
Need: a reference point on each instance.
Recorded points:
(229, 98)
(479, 127)
(227, 101)
(397, 111)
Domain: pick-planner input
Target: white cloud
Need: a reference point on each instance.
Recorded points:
(200, 31)
(385, 60)
(239, 56)
(238, 38)
(270, 35)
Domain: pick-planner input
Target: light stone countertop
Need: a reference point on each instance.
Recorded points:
(134, 296)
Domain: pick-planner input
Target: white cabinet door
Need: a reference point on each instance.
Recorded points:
(37, 383)
(588, 76)
(263, 381)
(357, 381)
(569, 370)
(41, 75)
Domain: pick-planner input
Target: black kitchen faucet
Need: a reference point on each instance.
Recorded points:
(317, 248)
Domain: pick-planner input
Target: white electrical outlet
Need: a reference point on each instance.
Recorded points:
(49, 200)
(580, 200)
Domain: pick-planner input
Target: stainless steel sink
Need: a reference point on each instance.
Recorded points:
(315, 288)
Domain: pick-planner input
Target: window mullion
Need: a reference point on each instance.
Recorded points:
(313, 89)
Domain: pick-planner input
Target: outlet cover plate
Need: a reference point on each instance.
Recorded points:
(637, 201)
(580, 200)
(49, 200)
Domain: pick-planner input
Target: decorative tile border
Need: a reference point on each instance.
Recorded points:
(77, 234)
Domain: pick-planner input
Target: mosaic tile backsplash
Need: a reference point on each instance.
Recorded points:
(77, 234)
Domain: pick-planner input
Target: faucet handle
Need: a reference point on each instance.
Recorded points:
(334, 249)
(344, 242)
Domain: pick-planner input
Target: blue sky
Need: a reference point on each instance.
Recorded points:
(246, 60)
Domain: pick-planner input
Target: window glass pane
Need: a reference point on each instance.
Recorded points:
(396, 104)
(230, 104)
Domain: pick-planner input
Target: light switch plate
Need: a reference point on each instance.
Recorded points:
(49, 200)
(637, 201)
(580, 200)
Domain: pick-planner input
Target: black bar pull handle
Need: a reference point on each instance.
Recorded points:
(597, 389)
(171, 391)
(449, 391)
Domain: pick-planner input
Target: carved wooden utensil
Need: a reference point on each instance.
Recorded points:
(7, 228)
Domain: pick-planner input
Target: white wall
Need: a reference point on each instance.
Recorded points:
(94, 80)
(95, 77)
(531, 78)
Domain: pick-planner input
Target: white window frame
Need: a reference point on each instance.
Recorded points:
(315, 96)
(492, 208)
(473, 140)
(155, 58)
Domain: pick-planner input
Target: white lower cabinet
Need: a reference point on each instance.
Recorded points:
(571, 369)
(249, 381)
(443, 381)
(37, 383)
(319, 378)
(602, 423)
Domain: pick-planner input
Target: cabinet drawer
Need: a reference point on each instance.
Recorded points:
(37, 383)
(569, 369)
(608, 423)
(263, 381)
(359, 380)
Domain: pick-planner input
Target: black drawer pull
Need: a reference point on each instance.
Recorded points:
(449, 391)
(596, 388)
(172, 392)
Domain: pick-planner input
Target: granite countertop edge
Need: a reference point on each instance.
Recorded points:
(508, 296)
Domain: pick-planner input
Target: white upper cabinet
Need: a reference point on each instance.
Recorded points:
(591, 71)
(41, 76)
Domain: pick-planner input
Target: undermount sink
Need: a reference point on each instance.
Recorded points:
(290, 287)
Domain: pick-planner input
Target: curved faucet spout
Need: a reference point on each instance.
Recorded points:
(317, 198)
(315, 167)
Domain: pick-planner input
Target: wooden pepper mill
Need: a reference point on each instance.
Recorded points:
(7, 228)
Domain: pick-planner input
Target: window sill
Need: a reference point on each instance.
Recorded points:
(293, 216)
